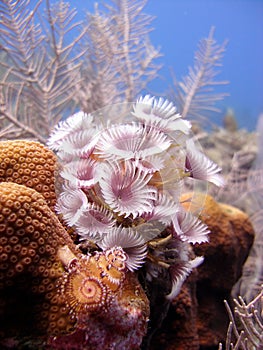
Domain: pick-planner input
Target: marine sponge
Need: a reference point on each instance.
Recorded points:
(31, 164)
(231, 230)
(48, 288)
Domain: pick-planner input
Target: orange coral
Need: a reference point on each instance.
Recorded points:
(231, 230)
(31, 164)
(31, 236)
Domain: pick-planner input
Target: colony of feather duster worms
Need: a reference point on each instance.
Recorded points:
(124, 170)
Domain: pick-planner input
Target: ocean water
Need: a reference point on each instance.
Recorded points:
(178, 27)
(180, 24)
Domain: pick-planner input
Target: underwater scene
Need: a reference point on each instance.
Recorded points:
(131, 175)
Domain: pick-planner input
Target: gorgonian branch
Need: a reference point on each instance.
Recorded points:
(248, 335)
(195, 95)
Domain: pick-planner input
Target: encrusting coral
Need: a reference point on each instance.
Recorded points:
(230, 229)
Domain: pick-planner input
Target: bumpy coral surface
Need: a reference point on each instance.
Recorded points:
(31, 236)
(48, 288)
(230, 239)
(31, 164)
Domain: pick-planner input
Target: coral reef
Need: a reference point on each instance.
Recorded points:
(48, 287)
(234, 152)
(231, 230)
(250, 284)
(197, 317)
(31, 236)
(118, 183)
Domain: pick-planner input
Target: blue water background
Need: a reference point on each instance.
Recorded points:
(178, 27)
(180, 24)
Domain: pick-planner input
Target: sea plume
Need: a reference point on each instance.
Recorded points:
(40, 69)
(52, 64)
(195, 94)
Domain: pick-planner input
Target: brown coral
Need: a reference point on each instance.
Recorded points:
(230, 240)
(179, 329)
(31, 236)
(31, 164)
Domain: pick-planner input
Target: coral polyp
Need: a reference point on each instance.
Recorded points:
(126, 188)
